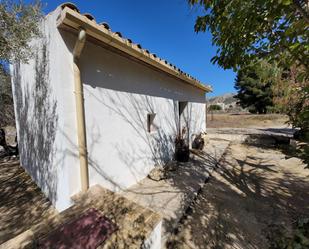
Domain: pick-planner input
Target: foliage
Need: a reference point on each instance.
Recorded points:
(299, 150)
(19, 23)
(298, 108)
(182, 151)
(279, 239)
(198, 142)
(6, 100)
(254, 86)
(276, 31)
(248, 30)
(214, 108)
(291, 95)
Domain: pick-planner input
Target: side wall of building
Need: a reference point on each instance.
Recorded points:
(119, 94)
(45, 111)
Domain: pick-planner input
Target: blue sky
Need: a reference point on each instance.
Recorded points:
(164, 28)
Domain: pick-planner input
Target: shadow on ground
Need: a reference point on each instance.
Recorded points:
(22, 204)
(27, 217)
(252, 190)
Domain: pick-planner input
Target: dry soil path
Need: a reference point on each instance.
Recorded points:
(252, 190)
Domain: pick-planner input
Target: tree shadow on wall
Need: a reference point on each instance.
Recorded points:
(156, 148)
(148, 148)
(37, 117)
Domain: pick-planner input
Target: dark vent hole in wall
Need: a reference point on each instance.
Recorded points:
(150, 121)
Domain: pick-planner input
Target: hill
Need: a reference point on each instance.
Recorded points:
(227, 99)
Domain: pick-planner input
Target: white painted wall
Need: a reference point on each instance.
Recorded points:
(154, 239)
(45, 114)
(119, 93)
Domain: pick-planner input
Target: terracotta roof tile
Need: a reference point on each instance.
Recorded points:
(128, 42)
(89, 16)
(105, 25)
(70, 5)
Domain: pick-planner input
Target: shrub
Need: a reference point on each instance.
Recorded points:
(182, 151)
(215, 108)
(292, 97)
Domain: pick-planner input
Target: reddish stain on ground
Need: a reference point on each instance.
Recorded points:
(86, 232)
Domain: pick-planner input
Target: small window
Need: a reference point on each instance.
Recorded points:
(150, 122)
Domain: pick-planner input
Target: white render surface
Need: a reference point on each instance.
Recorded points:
(154, 240)
(119, 93)
(45, 111)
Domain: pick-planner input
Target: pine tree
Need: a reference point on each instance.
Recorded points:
(254, 86)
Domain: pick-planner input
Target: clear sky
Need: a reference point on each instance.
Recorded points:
(164, 27)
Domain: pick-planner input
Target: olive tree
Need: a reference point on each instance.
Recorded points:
(19, 23)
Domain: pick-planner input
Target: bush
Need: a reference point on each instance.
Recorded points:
(182, 151)
(298, 109)
(6, 99)
(280, 239)
(198, 142)
(292, 97)
(214, 108)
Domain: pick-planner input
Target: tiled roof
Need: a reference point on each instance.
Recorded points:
(70, 16)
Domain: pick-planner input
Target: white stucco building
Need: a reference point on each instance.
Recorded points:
(129, 118)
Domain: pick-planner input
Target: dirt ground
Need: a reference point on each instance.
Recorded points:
(228, 120)
(252, 191)
(22, 204)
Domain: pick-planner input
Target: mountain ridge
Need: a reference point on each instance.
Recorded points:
(227, 98)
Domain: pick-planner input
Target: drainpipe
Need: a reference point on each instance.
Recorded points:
(206, 112)
(80, 111)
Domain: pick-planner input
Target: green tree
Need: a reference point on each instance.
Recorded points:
(6, 100)
(254, 86)
(19, 23)
(247, 30)
(215, 107)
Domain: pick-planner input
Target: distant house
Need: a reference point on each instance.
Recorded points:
(93, 107)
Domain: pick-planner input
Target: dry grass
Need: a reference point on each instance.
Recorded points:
(228, 120)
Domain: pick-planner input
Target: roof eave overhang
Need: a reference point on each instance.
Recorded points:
(72, 19)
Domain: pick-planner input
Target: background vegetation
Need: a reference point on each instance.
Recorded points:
(269, 47)
(19, 22)
(214, 108)
(254, 86)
